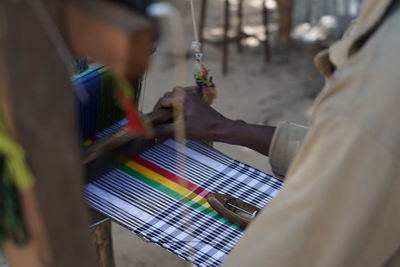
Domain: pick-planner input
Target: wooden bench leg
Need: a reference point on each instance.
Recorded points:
(285, 8)
(225, 47)
(239, 27)
(267, 42)
(102, 241)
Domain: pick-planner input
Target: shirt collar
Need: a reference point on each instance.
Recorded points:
(371, 13)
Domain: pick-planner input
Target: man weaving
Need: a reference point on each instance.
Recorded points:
(340, 205)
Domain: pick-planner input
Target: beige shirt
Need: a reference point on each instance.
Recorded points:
(340, 205)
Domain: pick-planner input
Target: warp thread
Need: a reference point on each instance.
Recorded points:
(110, 100)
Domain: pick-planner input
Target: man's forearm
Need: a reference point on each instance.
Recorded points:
(256, 137)
(203, 123)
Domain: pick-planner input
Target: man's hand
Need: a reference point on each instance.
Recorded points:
(202, 122)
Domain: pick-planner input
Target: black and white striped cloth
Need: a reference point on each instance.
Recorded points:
(183, 229)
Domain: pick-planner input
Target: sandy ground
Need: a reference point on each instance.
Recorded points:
(254, 91)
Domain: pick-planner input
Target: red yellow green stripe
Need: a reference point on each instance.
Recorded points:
(176, 187)
(173, 177)
(154, 177)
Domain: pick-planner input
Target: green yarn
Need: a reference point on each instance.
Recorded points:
(14, 176)
(14, 159)
(11, 219)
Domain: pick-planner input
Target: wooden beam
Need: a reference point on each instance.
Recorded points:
(122, 136)
(110, 34)
(43, 108)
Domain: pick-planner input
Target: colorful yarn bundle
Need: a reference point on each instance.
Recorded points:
(204, 82)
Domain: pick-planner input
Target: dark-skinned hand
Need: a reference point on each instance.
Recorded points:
(202, 122)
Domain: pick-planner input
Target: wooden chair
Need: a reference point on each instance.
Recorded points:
(240, 34)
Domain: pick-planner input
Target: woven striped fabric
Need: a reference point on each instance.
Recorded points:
(165, 202)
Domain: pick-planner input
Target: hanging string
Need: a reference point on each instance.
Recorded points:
(194, 22)
(196, 45)
(201, 73)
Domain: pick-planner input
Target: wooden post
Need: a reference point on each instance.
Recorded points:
(102, 241)
(285, 8)
(239, 27)
(42, 108)
(225, 48)
(267, 42)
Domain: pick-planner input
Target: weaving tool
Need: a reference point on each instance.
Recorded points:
(101, 111)
(201, 75)
(153, 195)
(235, 210)
(144, 190)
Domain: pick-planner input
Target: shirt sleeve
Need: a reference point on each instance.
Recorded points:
(333, 210)
(284, 146)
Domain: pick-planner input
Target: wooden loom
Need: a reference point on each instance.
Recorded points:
(50, 218)
(39, 104)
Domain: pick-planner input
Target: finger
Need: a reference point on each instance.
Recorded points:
(178, 89)
(179, 97)
(163, 101)
(164, 131)
(167, 101)
(195, 90)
